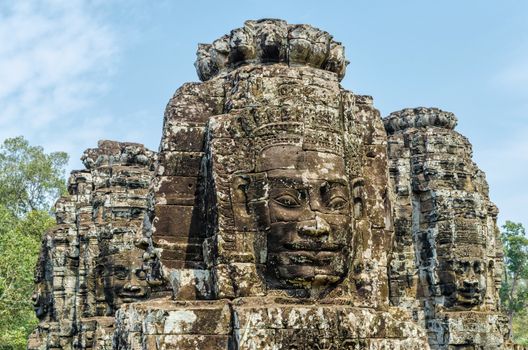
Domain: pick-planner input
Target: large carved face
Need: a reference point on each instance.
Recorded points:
(463, 281)
(309, 212)
(124, 279)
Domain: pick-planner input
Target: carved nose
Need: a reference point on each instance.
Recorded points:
(317, 227)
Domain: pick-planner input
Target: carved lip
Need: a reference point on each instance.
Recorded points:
(472, 296)
(131, 300)
(319, 258)
(473, 293)
(129, 297)
(314, 246)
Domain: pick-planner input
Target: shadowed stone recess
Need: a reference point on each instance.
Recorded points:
(280, 212)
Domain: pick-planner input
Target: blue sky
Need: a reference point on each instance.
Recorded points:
(74, 72)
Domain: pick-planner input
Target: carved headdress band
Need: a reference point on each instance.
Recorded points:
(302, 132)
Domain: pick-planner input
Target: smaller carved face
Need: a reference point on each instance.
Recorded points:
(124, 279)
(463, 281)
(41, 296)
(41, 300)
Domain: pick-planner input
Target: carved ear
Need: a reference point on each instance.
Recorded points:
(240, 202)
(248, 194)
(246, 188)
(239, 189)
(358, 197)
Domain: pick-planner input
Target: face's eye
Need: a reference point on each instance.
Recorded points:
(141, 274)
(100, 270)
(287, 200)
(334, 195)
(477, 267)
(458, 267)
(462, 267)
(120, 272)
(337, 203)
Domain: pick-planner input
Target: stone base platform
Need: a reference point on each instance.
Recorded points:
(95, 333)
(263, 323)
(469, 330)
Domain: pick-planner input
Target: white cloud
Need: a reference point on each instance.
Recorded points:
(54, 59)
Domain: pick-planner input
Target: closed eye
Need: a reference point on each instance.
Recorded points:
(287, 200)
(337, 203)
(141, 274)
(121, 273)
(476, 267)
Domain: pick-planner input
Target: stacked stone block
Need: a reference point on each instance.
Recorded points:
(79, 287)
(281, 212)
(443, 213)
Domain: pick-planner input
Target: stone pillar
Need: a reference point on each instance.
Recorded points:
(443, 214)
(89, 264)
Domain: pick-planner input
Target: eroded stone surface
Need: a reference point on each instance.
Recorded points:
(447, 258)
(89, 263)
(280, 212)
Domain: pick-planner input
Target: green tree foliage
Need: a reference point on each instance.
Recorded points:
(19, 248)
(520, 327)
(30, 180)
(514, 291)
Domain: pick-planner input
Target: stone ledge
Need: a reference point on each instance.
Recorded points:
(264, 323)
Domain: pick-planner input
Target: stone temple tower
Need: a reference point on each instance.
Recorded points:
(280, 212)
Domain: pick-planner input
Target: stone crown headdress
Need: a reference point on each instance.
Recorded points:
(419, 117)
(271, 41)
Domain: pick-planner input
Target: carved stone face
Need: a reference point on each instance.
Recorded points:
(124, 279)
(309, 212)
(463, 281)
(41, 300)
(41, 296)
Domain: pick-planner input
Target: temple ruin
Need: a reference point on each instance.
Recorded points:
(280, 212)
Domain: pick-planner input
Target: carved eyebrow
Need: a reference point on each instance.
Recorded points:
(339, 182)
(288, 181)
(298, 184)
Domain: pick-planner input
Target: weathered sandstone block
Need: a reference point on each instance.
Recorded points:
(280, 212)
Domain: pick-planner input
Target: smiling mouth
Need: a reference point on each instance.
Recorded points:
(472, 293)
(308, 258)
(470, 296)
(313, 246)
(130, 297)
